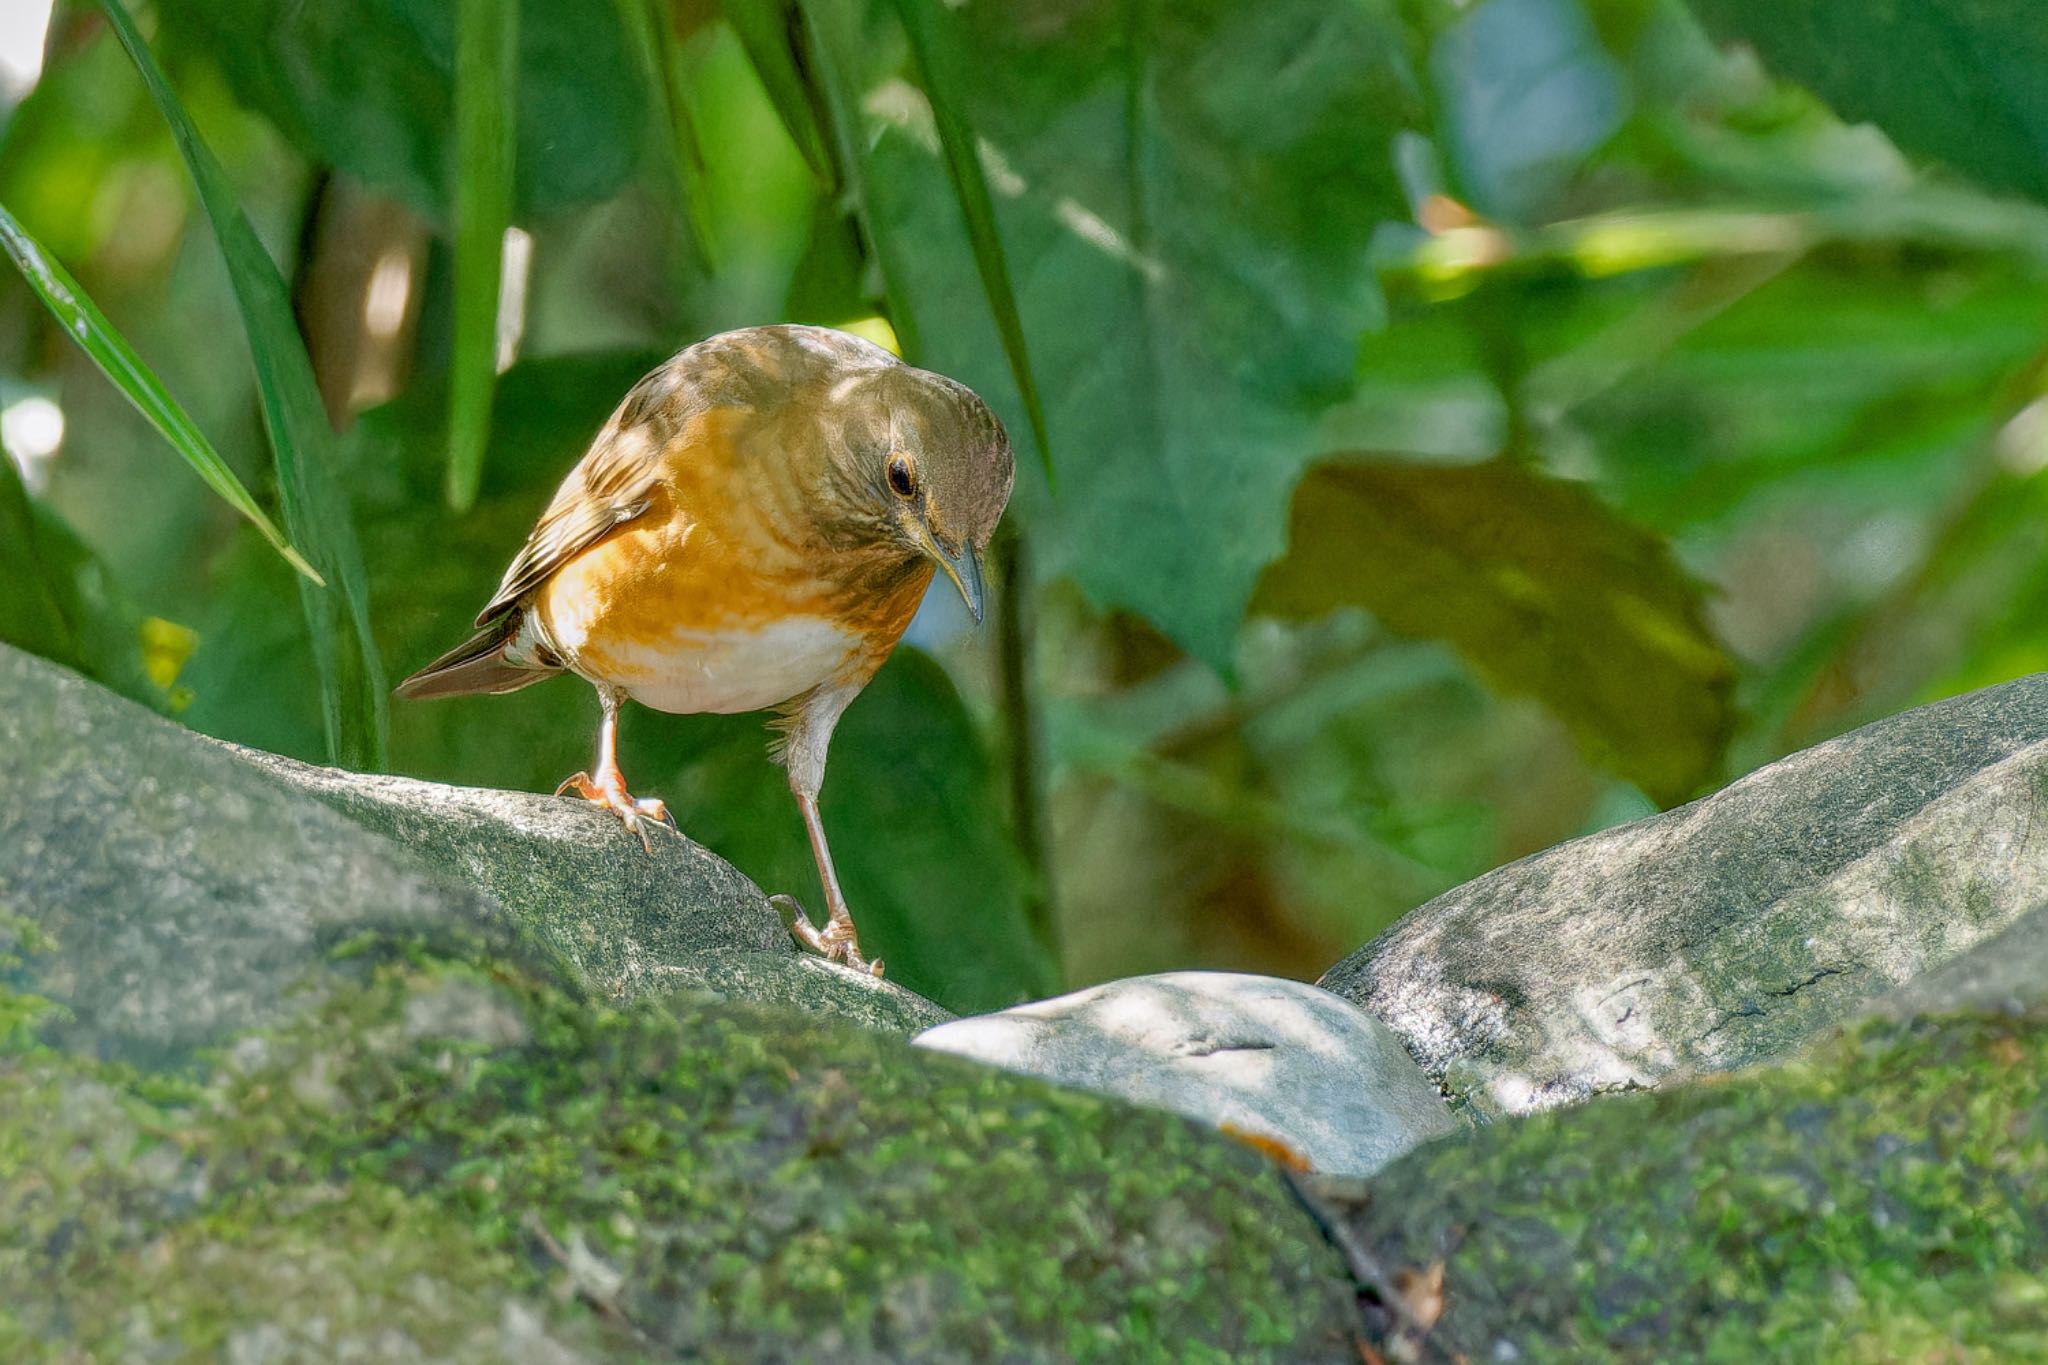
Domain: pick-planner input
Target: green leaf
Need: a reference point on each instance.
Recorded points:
(833, 36)
(970, 187)
(368, 86)
(1542, 589)
(315, 511)
(652, 31)
(84, 323)
(61, 603)
(1960, 81)
(486, 77)
(1186, 199)
(772, 33)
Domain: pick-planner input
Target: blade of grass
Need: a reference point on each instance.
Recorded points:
(770, 32)
(970, 186)
(99, 339)
(316, 514)
(653, 34)
(831, 33)
(486, 57)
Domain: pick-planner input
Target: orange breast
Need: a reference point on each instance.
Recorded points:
(718, 595)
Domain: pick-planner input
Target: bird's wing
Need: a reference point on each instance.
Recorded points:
(610, 486)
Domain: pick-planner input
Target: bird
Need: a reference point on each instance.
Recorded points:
(752, 529)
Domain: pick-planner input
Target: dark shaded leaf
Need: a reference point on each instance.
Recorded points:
(1961, 81)
(315, 511)
(61, 603)
(1543, 590)
(486, 76)
(369, 87)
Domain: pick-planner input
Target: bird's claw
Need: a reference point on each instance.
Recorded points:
(836, 942)
(635, 813)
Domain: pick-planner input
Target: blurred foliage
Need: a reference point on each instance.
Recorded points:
(1469, 424)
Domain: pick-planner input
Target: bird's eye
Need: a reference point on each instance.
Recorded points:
(902, 478)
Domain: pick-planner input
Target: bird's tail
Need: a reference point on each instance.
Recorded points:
(478, 664)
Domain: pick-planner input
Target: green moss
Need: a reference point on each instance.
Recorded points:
(1886, 1198)
(435, 1141)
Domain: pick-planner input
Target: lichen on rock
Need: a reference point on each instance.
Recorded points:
(1885, 1198)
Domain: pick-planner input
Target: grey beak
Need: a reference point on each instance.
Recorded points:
(965, 571)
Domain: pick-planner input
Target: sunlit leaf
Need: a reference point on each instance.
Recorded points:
(1187, 198)
(315, 511)
(772, 32)
(970, 186)
(1960, 80)
(1543, 590)
(486, 79)
(84, 323)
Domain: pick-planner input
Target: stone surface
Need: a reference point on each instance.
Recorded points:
(1883, 1198)
(1731, 930)
(243, 861)
(247, 1042)
(566, 869)
(1263, 1057)
(2007, 972)
(807, 983)
(429, 1152)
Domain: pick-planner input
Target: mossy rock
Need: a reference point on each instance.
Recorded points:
(1884, 1198)
(446, 1157)
(1732, 931)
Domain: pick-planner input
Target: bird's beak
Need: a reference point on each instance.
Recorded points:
(964, 569)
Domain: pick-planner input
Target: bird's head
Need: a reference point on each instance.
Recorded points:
(930, 465)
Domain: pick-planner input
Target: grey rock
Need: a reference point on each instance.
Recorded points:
(1267, 1057)
(199, 882)
(567, 871)
(2006, 973)
(184, 895)
(1731, 930)
(807, 983)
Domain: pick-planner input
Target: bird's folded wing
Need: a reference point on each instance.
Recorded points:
(611, 485)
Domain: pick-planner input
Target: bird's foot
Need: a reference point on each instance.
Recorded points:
(608, 790)
(836, 942)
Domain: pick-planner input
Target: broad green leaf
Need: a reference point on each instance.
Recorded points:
(368, 86)
(1960, 80)
(1543, 590)
(772, 33)
(486, 86)
(1186, 195)
(98, 338)
(316, 512)
(970, 186)
(62, 604)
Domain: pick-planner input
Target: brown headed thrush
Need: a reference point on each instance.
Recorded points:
(753, 528)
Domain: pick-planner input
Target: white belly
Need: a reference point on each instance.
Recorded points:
(727, 671)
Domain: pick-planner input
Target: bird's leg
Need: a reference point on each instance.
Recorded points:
(608, 787)
(837, 939)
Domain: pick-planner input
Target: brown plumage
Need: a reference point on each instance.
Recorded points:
(753, 528)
